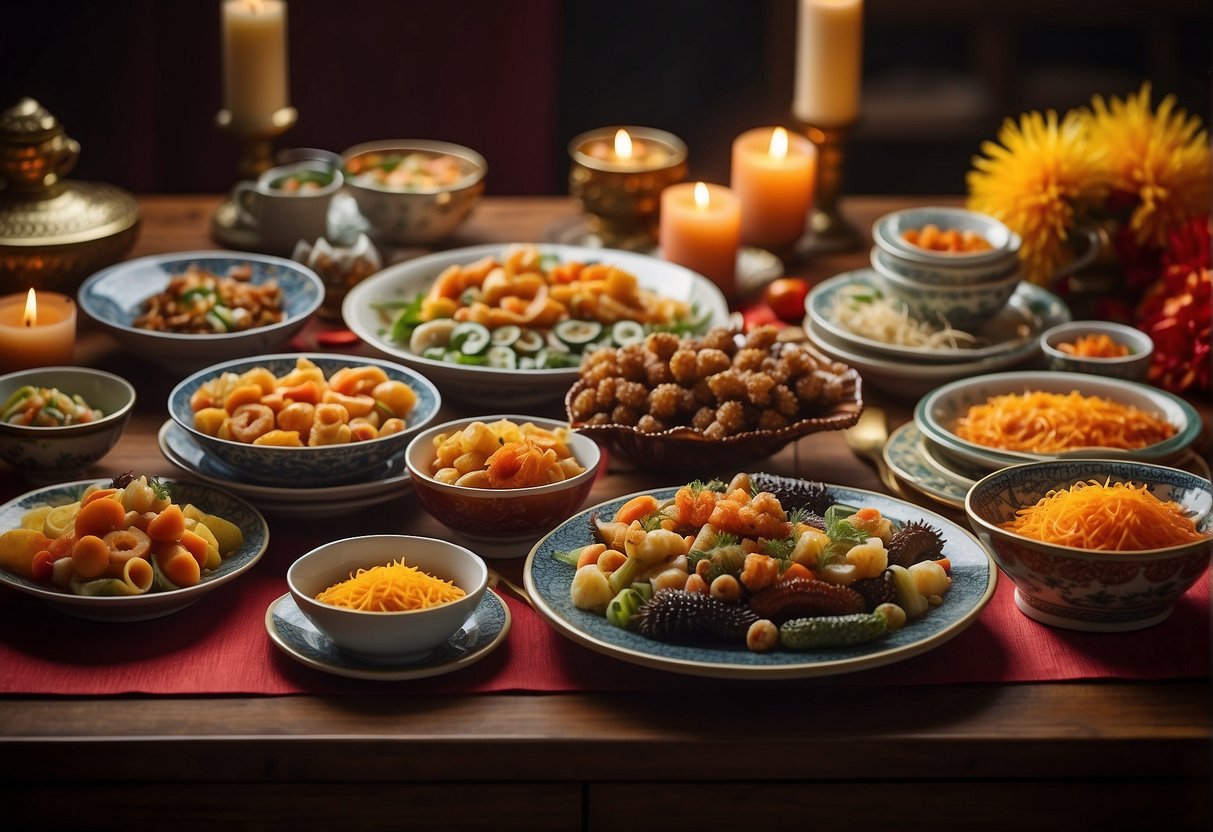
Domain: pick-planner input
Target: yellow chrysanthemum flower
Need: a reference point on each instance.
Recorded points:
(1160, 157)
(1038, 180)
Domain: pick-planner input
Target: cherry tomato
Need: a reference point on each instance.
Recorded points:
(785, 296)
(759, 315)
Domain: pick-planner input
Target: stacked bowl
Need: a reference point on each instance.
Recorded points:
(942, 300)
(947, 262)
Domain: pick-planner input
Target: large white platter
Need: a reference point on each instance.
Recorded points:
(973, 580)
(507, 389)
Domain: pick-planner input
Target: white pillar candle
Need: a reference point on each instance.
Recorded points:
(254, 59)
(829, 55)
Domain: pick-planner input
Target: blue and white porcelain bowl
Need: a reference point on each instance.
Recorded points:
(887, 233)
(387, 637)
(115, 297)
(322, 465)
(963, 305)
(55, 454)
(1089, 589)
(945, 274)
(1133, 366)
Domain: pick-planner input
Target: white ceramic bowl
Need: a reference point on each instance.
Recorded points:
(501, 514)
(963, 305)
(321, 465)
(507, 388)
(54, 454)
(938, 412)
(149, 605)
(1088, 589)
(115, 297)
(887, 234)
(415, 217)
(387, 637)
(1133, 366)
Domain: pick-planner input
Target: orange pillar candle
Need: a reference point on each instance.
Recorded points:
(36, 330)
(701, 229)
(773, 175)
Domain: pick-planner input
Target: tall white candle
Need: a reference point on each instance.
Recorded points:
(254, 59)
(829, 55)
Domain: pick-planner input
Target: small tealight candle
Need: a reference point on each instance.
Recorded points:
(36, 330)
(701, 229)
(624, 152)
(773, 175)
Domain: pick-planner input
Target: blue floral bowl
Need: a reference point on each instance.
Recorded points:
(963, 305)
(322, 465)
(1088, 589)
(887, 233)
(55, 454)
(1132, 367)
(115, 297)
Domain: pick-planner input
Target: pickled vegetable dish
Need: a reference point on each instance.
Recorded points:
(525, 310)
(130, 538)
(47, 407)
(763, 561)
(416, 171)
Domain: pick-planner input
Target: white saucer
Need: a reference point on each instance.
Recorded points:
(180, 449)
(295, 636)
(903, 453)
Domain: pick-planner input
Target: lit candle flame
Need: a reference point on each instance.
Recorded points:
(702, 198)
(623, 144)
(31, 310)
(779, 143)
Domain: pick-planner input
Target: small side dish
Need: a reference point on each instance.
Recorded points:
(393, 587)
(951, 240)
(303, 180)
(867, 311)
(201, 301)
(764, 561)
(127, 539)
(47, 407)
(1098, 345)
(504, 454)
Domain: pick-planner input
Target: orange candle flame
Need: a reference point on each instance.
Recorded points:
(779, 143)
(702, 198)
(31, 310)
(623, 144)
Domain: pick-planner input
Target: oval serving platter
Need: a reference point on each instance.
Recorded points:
(973, 581)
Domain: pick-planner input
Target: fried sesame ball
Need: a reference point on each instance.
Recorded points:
(604, 393)
(809, 387)
(761, 337)
(731, 417)
(727, 385)
(720, 339)
(661, 344)
(632, 394)
(649, 423)
(749, 359)
(710, 361)
(771, 420)
(784, 401)
(758, 388)
(703, 417)
(657, 372)
(684, 366)
(631, 362)
(585, 404)
(665, 400)
(624, 415)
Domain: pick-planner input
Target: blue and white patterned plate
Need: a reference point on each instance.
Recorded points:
(180, 449)
(973, 581)
(295, 636)
(905, 456)
(151, 604)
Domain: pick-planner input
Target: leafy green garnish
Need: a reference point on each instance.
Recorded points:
(406, 320)
(161, 490)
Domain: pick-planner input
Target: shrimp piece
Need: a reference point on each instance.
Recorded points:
(396, 396)
(357, 381)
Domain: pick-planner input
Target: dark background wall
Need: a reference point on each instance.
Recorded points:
(137, 82)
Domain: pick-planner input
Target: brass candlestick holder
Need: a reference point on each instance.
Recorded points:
(830, 230)
(622, 197)
(256, 157)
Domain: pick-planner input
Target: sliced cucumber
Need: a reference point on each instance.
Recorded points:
(434, 353)
(470, 338)
(529, 342)
(526, 362)
(502, 357)
(555, 359)
(507, 335)
(627, 332)
(577, 333)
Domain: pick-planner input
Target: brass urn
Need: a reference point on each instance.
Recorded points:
(54, 232)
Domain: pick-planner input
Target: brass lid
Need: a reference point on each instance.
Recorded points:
(38, 207)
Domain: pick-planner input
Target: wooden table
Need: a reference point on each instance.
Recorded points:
(1108, 754)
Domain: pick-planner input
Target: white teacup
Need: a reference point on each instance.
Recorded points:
(280, 214)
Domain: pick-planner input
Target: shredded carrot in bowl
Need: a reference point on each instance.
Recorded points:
(391, 588)
(1097, 345)
(1109, 517)
(1038, 422)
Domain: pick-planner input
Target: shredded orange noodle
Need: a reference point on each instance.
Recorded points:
(1038, 422)
(391, 588)
(1115, 517)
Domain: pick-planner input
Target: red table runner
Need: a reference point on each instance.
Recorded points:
(220, 646)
